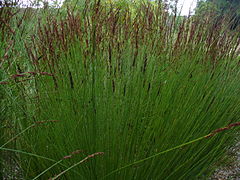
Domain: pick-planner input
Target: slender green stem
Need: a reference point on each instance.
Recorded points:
(155, 155)
(29, 127)
(49, 168)
(35, 155)
(26, 153)
(76, 164)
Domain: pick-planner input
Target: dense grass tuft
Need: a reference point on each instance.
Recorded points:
(113, 92)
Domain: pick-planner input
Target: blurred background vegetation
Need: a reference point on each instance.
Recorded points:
(220, 9)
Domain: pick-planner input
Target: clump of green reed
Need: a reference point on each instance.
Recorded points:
(130, 85)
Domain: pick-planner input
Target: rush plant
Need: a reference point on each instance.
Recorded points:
(110, 94)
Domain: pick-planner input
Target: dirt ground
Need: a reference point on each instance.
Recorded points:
(230, 171)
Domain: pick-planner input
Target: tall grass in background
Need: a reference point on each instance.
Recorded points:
(5, 33)
(112, 93)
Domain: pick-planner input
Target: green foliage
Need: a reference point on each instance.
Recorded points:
(2, 116)
(205, 8)
(100, 93)
(221, 9)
